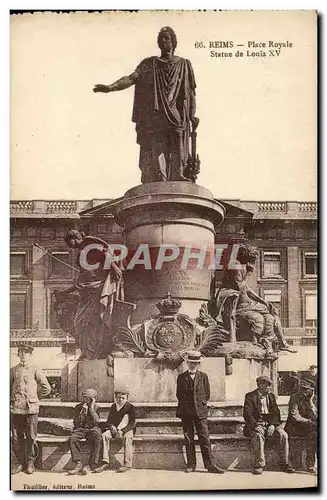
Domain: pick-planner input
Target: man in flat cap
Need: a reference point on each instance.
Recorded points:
(263, 422)
(302, 419)
(121, 426)
(193, 393)
(86, 426)
(27, 383)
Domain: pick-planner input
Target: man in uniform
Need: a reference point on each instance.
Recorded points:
(26, 381)
(193, 393)
(263, 422)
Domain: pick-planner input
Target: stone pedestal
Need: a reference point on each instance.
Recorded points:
(77, 376)
(151, 382)
(169, 213)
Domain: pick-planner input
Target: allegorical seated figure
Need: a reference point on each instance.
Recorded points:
(164, 110)
(97, 290)
(256, 319)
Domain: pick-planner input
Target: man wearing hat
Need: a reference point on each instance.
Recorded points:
(302, 419)
(263, 422)
(26, 383)
(86, 426)
(193, 393)
(120, 425)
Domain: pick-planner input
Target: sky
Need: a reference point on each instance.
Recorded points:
(257, 132)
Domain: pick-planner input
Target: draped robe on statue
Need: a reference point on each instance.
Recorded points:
(98, 290)
(162, 113)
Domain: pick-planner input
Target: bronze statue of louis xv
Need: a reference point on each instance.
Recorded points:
(164, 113)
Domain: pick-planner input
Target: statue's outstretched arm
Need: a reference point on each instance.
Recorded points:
(123, 83)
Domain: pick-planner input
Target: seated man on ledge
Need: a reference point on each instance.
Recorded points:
(86, 426)
(120, 425)
(262, 421)
(302, 419)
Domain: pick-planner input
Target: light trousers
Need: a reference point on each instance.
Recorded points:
(126, 441)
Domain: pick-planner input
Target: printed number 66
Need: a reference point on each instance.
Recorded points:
(199, 45)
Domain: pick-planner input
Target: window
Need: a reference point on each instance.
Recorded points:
(59, 269)
(271, 265)
(17, 263)
(53, 319)
(17, 311)
(309, 342)
(310, 309)
(310, 264)
(275, 297)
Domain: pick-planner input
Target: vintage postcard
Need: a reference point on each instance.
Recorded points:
(163, 258)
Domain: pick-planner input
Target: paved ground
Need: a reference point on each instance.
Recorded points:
(161, 480)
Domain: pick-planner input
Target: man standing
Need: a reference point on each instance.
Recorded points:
(302, 419)
(26, 381)
(164, 110)
(262, 421)
(86, 426)
(120, 425)
(193, 393)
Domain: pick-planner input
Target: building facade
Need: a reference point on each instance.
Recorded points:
(285, 234)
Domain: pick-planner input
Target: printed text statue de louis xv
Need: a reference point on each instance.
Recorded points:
(164, 110)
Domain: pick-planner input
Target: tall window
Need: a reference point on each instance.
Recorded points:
(17, 311)
(275, 297)
(53, 320)
(271, 265)
(310, 308)
(17, 263)
(58, 269)
(310, 264)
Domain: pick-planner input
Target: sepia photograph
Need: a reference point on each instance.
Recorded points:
(163, 250)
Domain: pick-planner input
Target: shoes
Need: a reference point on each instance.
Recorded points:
(190, 469)
(102, 467)
(258, 471)
(30, 468)
(288, 469)
(216, 470)
(312, 470)
(16, 469)
(78, 467)
(124, 469)
(86, 470)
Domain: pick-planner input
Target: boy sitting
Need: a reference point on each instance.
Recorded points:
(120, 425)
(86, 426)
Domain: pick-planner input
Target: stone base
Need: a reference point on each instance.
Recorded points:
(80, 375)
(168, 453)
(151, 382)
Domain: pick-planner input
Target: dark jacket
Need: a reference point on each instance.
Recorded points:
(115, 417)
(252, 411)
(300, 410)
(91, 419)
(27, 384)
(193, 396)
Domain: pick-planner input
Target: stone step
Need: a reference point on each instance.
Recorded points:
(58, 409)
(217, 425)
(154, 451)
